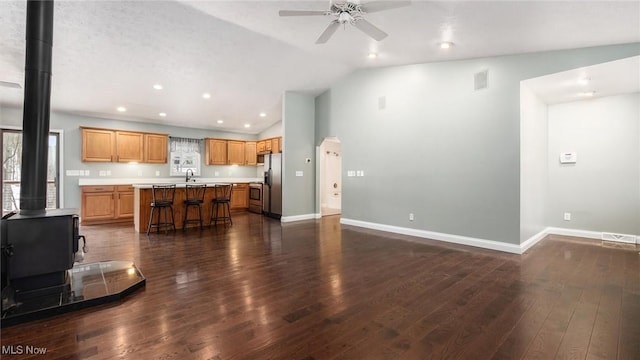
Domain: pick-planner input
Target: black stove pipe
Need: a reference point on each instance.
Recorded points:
(37, 101)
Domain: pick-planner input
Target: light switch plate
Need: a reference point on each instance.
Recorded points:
(299, 173)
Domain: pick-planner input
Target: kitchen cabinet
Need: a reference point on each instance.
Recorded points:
(276, 145)
(106, 145)
(235, 152)
(98, 145)
(155, 148)
(129, 146)
(124, 202)
(250, 153)
(267, 145)
(216, 152)
(105, 204)
(260, 146)
(240, 196)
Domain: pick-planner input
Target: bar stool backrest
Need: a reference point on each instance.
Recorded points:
(195, 192)
(223, 192)
(163, 195)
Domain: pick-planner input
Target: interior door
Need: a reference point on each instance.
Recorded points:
(11, 141)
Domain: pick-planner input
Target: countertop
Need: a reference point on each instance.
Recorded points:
(179, 181)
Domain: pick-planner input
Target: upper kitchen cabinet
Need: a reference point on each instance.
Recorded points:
(129, 146)
(267, 145)
(250, 153)
(276, 145)
(216, 152)
(235, 152)
(105, 145)
(98, 145)
(155, 148)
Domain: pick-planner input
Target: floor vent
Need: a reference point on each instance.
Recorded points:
(629, 239)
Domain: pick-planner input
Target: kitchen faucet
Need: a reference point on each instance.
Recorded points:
(188, 177)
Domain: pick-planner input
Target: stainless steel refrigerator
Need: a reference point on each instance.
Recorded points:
(272, 205)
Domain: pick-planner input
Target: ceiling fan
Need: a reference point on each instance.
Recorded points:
(352, 12)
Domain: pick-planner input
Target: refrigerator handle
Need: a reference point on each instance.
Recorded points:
(270, 175)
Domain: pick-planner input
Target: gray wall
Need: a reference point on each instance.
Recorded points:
(298, 197)
(602, 190)
(73, 148)
(533, 164)
(274, 130)
(440, 150)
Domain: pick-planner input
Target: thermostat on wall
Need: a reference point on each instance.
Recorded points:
(568, 158)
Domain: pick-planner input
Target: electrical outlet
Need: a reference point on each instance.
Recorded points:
(410, 216)
(567, 216)
(157, 173)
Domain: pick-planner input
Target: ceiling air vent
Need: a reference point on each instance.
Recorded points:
(629, 239)
(480, 80)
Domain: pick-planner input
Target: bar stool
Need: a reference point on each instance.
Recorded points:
(163, 196)
(221, 197)
(194, 196)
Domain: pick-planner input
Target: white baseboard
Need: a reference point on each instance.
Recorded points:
(528, 244)
(456, 239)
(589, 234)
(481, 243)
(293, 218)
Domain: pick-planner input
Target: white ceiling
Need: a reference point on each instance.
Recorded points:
(110, 53)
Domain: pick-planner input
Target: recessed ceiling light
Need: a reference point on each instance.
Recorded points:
(583, 81)
(261, 115)
(206, 96)
(162, 114)
(247, 125)
(446, 45)
(220, 121)
(588, 93)
(372, 55)
(157, 87)
(121, 108)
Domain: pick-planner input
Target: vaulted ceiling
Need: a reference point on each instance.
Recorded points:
(110, 53)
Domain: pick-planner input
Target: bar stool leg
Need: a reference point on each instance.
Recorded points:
(150, 220)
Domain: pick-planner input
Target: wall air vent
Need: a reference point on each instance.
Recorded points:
(480, 80)
(629, 239)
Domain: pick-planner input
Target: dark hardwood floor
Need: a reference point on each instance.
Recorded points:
(319, 290)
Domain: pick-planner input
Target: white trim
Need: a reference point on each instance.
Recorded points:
(575, 232)
(293, 218)
(318, 216)
(456, 239)
(587, 234)
(60, 166)
(528, 244)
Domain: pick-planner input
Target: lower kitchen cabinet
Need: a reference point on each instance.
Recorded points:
(106, 204)
(240, 196)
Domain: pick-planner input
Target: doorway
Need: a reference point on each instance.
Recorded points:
(10, 173)
(330, 176)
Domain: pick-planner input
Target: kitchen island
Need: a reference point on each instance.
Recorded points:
(143, 197)
(108, 208)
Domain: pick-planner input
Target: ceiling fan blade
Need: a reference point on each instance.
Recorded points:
(9, 84)
(328, 32)
(302, 12)
(383, 5)
(370, 29)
